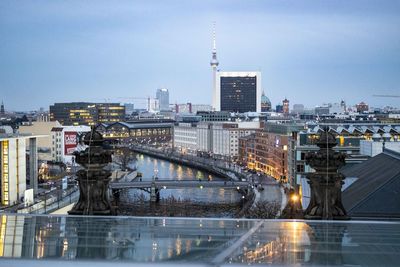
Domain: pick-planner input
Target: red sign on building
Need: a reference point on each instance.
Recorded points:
(70, 142)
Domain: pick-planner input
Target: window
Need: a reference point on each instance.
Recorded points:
(300, 168)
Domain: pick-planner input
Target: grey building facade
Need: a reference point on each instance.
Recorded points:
(163, 99)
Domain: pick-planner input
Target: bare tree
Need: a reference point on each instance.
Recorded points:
(123, 156)
(263, 210)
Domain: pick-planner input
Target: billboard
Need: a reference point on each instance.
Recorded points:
(70, 142)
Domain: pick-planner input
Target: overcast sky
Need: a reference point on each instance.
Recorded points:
(311, 52)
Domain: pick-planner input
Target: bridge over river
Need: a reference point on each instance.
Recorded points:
(177, 184)
(154, 187)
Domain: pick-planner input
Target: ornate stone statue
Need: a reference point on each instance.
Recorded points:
(326, 182)
(93, 179)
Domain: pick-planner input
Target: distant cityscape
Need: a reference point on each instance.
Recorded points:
(240, 127)
(127, 137)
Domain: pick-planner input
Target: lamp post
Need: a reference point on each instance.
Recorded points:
(293, 209)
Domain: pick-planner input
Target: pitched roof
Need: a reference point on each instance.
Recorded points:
(377, 190)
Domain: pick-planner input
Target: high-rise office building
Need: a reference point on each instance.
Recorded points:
(238, 92)
(84, 113)
(163, 99)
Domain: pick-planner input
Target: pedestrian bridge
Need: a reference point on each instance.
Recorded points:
(178, 184)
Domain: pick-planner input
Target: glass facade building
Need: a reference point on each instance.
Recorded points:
(238, 92)
(84, 113)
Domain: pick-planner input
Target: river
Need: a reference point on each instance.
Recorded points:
(168, 170)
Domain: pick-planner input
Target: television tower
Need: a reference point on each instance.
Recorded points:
(214, 64)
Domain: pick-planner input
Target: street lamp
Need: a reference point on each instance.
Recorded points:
(155, 174)
(293, 208)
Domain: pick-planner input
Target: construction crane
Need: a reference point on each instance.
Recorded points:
(141, 100)
(395, 96)
(133, 97)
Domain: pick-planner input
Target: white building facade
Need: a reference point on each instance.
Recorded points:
(204, 137)
(225, 136)
(153, 105)
(64, 142)
(200, 107)
(215, 137)
(185, 137)
(13, 171)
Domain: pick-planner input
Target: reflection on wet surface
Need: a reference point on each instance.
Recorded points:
(209, 241)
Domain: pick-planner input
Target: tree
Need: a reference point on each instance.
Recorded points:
(123, 156)
(263, 210)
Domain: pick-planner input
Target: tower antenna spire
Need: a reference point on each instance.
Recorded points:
(214, 64)
(214, 61)
(214, 38)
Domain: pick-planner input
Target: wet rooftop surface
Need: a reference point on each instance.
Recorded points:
(29, 240)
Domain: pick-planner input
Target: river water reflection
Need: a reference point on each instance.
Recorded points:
(168, 170)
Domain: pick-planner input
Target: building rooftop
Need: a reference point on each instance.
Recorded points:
(376, 192)
(30, 240)
(19, 135)
(356, 129)
(140, 125)
(57, 129)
